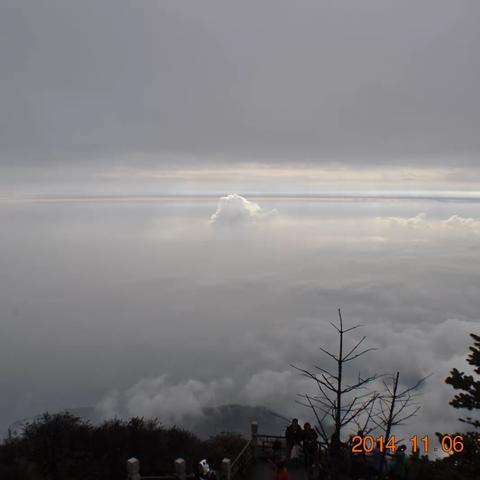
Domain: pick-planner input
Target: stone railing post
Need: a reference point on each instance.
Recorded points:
(133, 469)
(226, 469)
(254, 433)
(179, 466)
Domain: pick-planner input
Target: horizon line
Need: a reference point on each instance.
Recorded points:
(453, 196)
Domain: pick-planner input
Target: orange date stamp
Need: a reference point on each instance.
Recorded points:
(366, 444)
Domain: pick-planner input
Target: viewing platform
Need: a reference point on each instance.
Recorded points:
(251, 462)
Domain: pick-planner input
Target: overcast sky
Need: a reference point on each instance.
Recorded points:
(113, 297)
(166, 82)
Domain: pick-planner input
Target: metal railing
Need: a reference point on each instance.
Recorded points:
(244, 460)
(229, 470)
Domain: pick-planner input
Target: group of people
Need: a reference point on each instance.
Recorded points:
(305, 438)
(336, 456)
(339, 456)
(296, 438)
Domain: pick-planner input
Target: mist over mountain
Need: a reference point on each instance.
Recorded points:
(237, 418)
(213, 421)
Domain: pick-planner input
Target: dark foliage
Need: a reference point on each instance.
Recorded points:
(63, 446)
(469, 395)
(465, 464)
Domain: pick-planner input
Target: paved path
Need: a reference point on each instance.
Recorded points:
(263, 471)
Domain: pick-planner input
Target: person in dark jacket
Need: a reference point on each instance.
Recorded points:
(293, 435)
(310, 447)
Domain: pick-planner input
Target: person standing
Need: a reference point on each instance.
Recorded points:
(293, 436)
(310, 447)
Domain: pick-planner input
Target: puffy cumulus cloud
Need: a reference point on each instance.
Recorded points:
(183, 402)
(234, 209)
(416, 350)
(277, 389)
(451, 338)
(419, 350)
(159, 397)
(428, 350)
(467, 224)
(455, 224)
(262, 384)
(273, 387)
(418, 221)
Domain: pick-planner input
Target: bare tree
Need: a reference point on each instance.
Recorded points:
(337, 401)
(397, 406)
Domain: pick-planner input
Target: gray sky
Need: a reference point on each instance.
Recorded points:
(345, 81)
(105, 288)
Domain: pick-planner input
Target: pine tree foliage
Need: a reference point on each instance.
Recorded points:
(468, 386)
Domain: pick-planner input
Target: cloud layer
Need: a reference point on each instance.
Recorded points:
(154, 312)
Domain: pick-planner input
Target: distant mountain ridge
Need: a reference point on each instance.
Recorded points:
(223, 418)
(238, 418)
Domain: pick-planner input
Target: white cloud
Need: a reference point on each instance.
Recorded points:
(183, 402)
(453, 224)
(418, 221)
(170, 402)
(263, 384)
(234, 208)
(467, 224)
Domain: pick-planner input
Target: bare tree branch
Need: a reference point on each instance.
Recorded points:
(320, 422)
(334, 326)
(330, 354)
(352, 328)
(326, 372)
(355, 347)
(359, 384)
(360, 354)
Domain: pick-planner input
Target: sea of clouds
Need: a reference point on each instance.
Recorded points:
(163, 308)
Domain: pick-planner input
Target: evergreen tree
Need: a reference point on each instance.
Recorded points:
(464, 463)
(469, 397)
